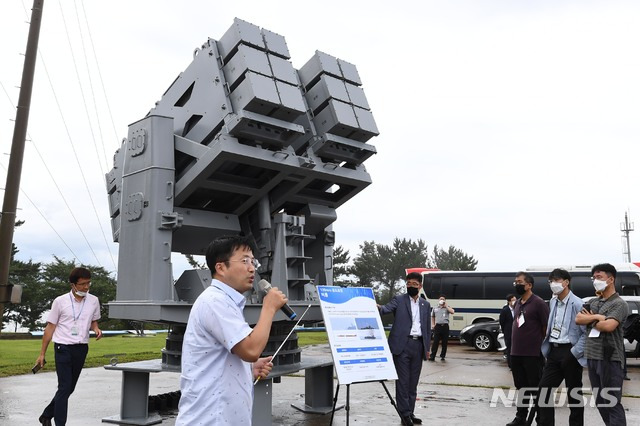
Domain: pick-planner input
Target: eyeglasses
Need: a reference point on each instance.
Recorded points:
(87, 284)
(247, 261)
(515, 283)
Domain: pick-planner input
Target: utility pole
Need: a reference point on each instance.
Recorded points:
(626, 227)
(12, 187)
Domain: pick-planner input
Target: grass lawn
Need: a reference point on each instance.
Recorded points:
(18, 356)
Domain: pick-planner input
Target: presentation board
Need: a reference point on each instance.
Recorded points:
(356, 335)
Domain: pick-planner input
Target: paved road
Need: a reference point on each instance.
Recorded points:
(457, 391)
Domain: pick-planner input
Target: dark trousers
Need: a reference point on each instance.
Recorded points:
(561, 365)
(606, 379)
(440, 332)
(507, 352)
(408, 366)
(69, 363)
(526, 371)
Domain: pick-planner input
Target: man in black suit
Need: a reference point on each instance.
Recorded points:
(409, 341)
(506, 323)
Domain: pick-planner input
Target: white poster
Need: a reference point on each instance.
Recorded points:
(358, 343)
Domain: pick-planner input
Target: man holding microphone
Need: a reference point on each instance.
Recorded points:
(219, 346)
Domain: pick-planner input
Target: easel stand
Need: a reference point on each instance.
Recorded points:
(346, 405)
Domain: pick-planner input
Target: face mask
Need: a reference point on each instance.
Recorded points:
(413, 291)
(80, 293)
(512, 304)
(520, 289)
(441, 302)
(556, 288)
(599, 285)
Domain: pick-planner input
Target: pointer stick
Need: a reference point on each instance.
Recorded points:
(285, 340)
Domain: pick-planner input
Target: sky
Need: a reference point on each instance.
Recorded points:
(508, 129)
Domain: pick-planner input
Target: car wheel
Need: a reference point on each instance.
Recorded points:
(483, 341)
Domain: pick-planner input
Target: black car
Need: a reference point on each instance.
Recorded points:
(483, 335)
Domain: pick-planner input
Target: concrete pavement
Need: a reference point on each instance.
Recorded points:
(458, 390)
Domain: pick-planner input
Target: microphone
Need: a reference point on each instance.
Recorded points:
(265, 286)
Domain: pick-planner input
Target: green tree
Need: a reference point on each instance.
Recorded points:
(33, 304)
(26, 274)
(341, 268)
(453, 259)
(383, 267)
(55, 276)
(194, 263)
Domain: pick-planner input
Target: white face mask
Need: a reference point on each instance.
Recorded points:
(512, 303)
(599, 285)
(80, 293)
(556, 288)
(441, 302)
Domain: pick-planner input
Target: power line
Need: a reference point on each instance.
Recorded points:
(84, 100)
(54, 183)
(77, 159)
(64, 122)
(47, 221)
(93, 96)
(104, 91)
(84, 179)
(74, 151)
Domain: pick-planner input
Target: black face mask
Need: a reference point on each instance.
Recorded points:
(413, 291)
(520, 290)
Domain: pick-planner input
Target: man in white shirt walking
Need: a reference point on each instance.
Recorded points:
(71, 317)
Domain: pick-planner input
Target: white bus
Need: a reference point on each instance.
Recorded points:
(479, 296)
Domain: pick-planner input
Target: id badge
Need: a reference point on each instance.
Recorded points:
(555, 332)
(594, 332)
(74, 331)
(520, 320)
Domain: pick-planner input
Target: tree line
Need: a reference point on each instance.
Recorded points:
(377, 265)
(43, 282)
(383, 266)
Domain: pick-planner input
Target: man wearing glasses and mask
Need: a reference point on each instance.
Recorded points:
(71, 317)
(219, 346)
(563, 347)
(409, 343)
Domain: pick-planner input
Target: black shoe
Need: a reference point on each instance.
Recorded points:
(44, 421)
(406, 421)
(441, 358)
(432, 359)
(416, 421)
(518, 421)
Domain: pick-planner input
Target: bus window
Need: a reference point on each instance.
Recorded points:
(496, 287)
(431, 287)
(582, 286)
(462, 287)
(629, 284)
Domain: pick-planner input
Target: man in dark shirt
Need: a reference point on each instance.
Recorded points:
(604, 317)
(506, 322)
(529, 328)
